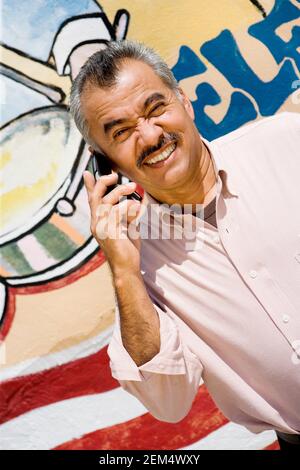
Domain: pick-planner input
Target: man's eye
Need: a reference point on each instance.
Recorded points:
(157, 109)
(120, 132)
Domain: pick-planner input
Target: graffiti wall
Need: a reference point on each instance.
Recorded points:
(239, 61)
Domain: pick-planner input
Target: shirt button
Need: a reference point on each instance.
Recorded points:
(285, 318)
(253, 273)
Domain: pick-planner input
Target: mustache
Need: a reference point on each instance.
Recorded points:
(162, 141)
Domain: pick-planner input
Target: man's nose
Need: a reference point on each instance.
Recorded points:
(149, 133)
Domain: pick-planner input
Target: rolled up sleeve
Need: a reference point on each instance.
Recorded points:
(168, 383)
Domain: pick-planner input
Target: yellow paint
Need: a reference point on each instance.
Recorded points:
(166, 25)
(36, 161)
(5, 158)
(15, 200)
(3, 272)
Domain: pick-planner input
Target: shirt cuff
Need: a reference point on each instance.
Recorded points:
(168, 361)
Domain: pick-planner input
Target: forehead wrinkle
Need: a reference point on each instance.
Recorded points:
(105, 107)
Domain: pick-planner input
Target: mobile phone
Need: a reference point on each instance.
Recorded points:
(101, 166)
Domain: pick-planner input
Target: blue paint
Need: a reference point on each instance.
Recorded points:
(240, 111)
(30, 26)
(188, 64)
(282, 12)
(19, 99)
(225, 55)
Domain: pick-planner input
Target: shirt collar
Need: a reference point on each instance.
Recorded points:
(227, 187)
(224, 182)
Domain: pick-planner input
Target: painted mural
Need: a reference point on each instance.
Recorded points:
(57, 301)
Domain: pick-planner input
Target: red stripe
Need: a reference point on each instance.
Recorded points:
(273, 446)
(84, 376)
(146, 432)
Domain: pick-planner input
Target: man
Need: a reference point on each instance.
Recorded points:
(222, 306)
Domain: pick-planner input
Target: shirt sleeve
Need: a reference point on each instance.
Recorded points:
(167, 384)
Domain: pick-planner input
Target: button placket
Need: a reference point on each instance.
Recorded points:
(256, 279)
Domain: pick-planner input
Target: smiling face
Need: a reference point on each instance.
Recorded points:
(140, 118)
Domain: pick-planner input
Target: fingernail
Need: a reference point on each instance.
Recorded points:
(131, 185)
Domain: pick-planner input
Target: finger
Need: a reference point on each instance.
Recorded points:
(89, 181)
(114, 196)
(119, 213)
(100, 189)
(119, 217)
(126, 208)
(124, 215)
(104, 206)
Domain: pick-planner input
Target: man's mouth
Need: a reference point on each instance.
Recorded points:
(162, 155)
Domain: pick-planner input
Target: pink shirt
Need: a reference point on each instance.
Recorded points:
(228, 299)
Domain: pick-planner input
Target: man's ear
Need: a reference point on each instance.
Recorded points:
(186, 103)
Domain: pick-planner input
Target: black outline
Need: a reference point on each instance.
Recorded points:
(27, 56)
(117, 17)
(73, 18)
(5, 303)
(259, 7)
(93, 41)
(52, 87)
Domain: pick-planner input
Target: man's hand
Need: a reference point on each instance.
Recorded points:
(112, 222)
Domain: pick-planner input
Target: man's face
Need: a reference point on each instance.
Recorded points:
(141, 118)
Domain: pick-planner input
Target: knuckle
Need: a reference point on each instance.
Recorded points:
(118, 192)
(106, 179)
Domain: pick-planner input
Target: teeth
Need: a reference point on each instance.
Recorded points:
(163, 155)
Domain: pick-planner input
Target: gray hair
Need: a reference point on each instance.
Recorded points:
(102, 69)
